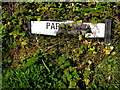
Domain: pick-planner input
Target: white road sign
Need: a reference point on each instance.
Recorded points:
(46, 27)
(52, 27)
(98, 30)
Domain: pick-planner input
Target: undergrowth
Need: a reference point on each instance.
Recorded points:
(64, 61)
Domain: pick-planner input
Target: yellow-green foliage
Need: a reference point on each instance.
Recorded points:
(64, 61)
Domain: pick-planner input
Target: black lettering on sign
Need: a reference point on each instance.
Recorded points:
(53, 26)
(47, 25)
(57, 25)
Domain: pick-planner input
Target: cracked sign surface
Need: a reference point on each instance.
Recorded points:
(98, 30)
(52, 27)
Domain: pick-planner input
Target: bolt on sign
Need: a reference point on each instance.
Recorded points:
(99, 30)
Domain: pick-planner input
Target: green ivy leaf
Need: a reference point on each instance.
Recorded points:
(22, 34)
(86, 73)
(38, 19)
(72, 84)
(61, 60)
(86, 81)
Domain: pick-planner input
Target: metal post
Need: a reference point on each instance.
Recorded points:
(107, 31)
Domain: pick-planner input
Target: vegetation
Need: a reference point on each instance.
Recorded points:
(64, 61)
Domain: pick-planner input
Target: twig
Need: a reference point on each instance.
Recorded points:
(111, 84)
(46, 66)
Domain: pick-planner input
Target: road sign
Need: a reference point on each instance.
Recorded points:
(46, 27)
(52, 27)
(99, 30)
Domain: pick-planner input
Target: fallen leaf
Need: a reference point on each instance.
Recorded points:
(80, 37)
(23, 43)
(86, 81)
(107, 51)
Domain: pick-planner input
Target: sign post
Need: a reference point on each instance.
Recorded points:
(107, 31)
